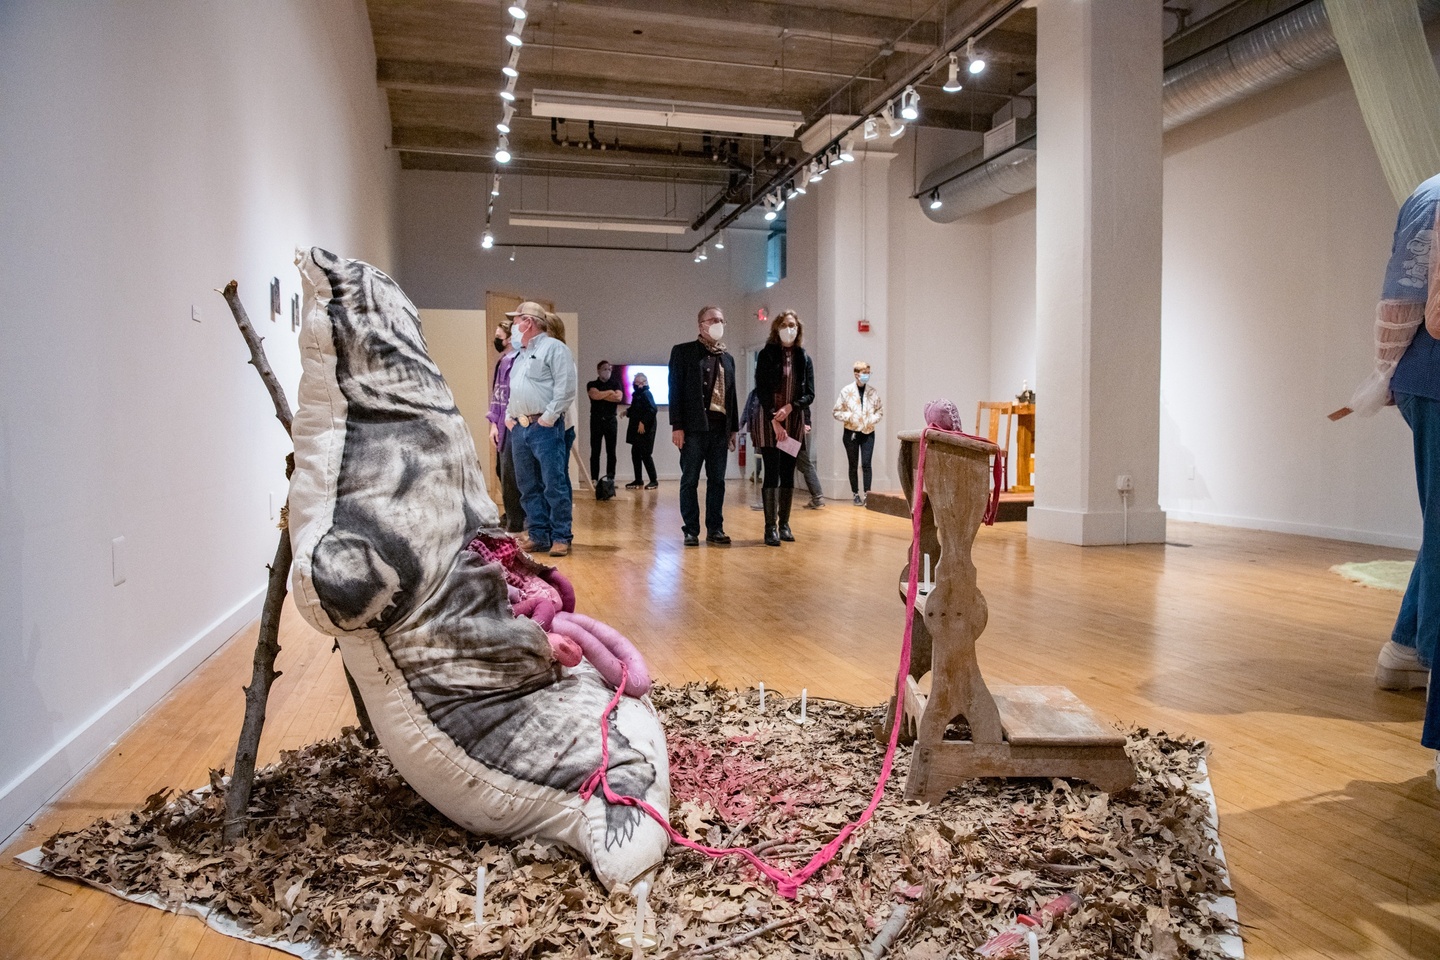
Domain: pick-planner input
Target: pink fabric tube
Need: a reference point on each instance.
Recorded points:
(566, 650)
(608, 650)
(566, 590)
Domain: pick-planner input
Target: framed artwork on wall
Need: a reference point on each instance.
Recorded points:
(274, 299)
(294, 312)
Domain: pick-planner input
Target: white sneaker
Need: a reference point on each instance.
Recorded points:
(1398, 668)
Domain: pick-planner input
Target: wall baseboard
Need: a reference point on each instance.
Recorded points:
(1371, 537)
(45, 778)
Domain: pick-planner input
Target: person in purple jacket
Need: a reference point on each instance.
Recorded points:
(514, 516)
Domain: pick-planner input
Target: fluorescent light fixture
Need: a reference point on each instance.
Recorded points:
(935, 199)
(487, 240)
(642, 111)
(952, 76)
(910, 104)
(847, 149)
(871, 130)
(517, 9)
(595, 221)
(977, 62)
(502, 152)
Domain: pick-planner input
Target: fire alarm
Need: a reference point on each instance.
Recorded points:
(864, 326)
(762, 316)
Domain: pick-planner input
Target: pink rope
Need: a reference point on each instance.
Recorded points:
(786, 883)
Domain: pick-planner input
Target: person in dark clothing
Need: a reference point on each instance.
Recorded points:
(605, 398)
(704, 419)
(785, 387)
(640, 432)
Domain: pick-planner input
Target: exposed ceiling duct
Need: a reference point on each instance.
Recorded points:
(1272, 53)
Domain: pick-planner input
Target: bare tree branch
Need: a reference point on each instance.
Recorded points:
(257, 355)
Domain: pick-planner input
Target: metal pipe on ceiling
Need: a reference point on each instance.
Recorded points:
(1263, 57)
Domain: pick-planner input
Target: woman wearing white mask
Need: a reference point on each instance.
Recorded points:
(785, 387)
(858, 408)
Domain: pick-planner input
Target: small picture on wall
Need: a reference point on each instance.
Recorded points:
(274, 299)
(295, 312)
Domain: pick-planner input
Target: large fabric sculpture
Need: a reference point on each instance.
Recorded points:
(468, 699)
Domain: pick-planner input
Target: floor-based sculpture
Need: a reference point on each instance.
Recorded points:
(1042, 731)
(473, 704)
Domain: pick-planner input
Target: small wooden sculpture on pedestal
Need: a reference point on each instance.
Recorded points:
(1015, 731)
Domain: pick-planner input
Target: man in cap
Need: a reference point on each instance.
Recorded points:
(542, 388)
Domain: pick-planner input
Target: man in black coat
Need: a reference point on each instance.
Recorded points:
(704, 419)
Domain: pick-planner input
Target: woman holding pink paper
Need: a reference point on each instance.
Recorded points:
(785, 387)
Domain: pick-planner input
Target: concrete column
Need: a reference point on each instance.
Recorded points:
(1098, 237)
(853, 282)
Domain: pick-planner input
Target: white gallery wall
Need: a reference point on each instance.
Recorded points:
(152, 151)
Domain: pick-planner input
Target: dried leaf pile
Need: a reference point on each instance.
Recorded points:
(342, 851)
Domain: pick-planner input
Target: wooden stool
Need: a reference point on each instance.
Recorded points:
(1014, 731)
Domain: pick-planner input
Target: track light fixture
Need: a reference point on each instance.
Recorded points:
(513, 37)
(487, 240)
(952, 76)
(504, 125)
(935, 199)
(910, 104)
(495, 186)
(517, 9)
(847, 149)
(502, 152)
(720, 240)
(892, 126)
(817, 172)
(977, 62)
(792, 191)
(703, 255)
(507, 95)
(770, 212)
(779, 200)
(871, 130)
(512, 254)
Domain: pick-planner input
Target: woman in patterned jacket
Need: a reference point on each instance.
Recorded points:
(859, 409)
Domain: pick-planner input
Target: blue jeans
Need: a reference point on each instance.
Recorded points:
(710, 450)
(540, 457)
(1418, 624)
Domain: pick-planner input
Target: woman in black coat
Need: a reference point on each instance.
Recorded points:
(785, 387)
(640, 433)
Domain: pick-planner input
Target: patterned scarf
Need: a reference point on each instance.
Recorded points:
(715, 375)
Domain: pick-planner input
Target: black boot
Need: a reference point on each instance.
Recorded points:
(768, 495)
(786, 493)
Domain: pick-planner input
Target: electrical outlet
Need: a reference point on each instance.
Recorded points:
(117, 560)
(1190, 472)
(1124, 484)
(194, 313)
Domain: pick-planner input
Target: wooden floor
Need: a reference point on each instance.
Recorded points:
(1329, 816)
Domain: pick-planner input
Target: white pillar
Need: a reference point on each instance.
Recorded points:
(1098, 236)
(853, 283)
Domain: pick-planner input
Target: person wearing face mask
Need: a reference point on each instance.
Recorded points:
(785, 387)
(514, 518)
(704, 419)
(859, 409)
(542, 388)
(640, 433)
(605, 399)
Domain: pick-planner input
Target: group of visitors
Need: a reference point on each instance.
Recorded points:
(532, 417)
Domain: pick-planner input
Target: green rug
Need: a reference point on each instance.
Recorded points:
(1382, 574)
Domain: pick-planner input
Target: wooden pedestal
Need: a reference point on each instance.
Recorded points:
(1014, 731)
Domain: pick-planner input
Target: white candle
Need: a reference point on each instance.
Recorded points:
(642, 904)
(480, 895)
(762, 696)
(803, 693)
(1034, 943)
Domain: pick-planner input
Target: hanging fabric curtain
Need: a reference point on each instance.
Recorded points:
(1391, 68)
